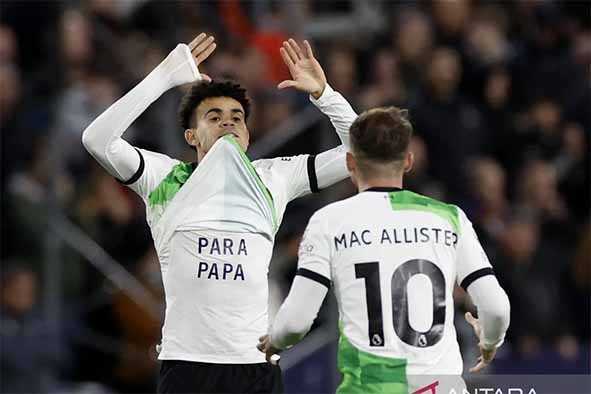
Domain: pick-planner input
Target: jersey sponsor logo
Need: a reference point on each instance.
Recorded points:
(221, 247)
(396, 236)
(220, 271)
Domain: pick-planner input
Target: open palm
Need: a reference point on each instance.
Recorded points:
(201, 47)
(306, 73)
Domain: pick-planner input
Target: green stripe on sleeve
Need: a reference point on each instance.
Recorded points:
(407, 200)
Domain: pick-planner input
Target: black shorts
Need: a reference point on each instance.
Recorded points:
(180, 377)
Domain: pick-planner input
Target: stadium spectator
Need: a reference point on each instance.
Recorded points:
(385, 87)
(32, 351)
(8, 45)
(527, 268)
(489, 205)
(342, 67)
(451, 19)
(413, 40)
(25, 195)
(419, 178)
(140, 330)
(11, 124)
(451, 126)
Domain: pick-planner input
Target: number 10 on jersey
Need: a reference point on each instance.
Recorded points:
(370, 273)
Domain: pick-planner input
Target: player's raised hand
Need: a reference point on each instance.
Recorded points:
(306, 73)
(201, 48)
(486, 354)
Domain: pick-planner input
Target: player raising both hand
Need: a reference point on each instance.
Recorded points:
(214, 220)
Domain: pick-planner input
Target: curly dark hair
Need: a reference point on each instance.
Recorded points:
(203, 90)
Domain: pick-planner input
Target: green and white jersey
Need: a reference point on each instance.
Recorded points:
(393, 257)
(213, 226)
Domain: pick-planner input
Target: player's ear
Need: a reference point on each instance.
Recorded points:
(409, 160)
(351, 165)
(191, 137)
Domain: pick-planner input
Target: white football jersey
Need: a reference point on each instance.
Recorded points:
(214, 225)
(394, 257)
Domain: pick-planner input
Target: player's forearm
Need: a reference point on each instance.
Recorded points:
(296, 315)
(493, 310)
(339, 111)
(331, 167)
(102, 138)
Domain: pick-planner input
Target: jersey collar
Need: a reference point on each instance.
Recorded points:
(383, 189)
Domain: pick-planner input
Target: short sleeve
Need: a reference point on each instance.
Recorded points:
(296, 174)
(152, 169)
(472, 262)
(314, 252)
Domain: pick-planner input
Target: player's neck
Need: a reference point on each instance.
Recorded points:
(390, 182)
(200, 155)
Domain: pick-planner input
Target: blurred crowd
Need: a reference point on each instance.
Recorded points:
(499, 95)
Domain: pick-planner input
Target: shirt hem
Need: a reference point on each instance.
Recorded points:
(212, 359)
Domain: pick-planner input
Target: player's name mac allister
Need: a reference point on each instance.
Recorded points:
(392, 236)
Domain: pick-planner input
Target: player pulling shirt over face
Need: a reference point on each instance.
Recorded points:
(214, 221)
(214, 238)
